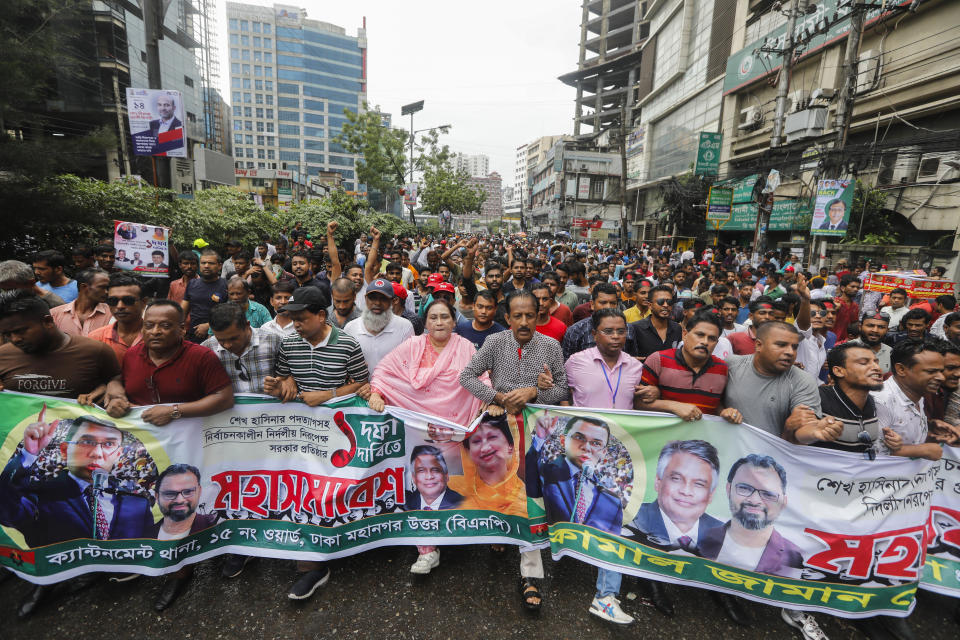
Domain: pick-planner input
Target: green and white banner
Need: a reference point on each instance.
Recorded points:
(734, 509)
(706, 504)
(96, 493)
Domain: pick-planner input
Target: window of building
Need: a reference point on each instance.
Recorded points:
(259, 112)
(313, 118)
(267, 57)
(260, 127)
(270, 128)
(289, 129)
(261, 154)
(289, 143)
(187, 80)
(316, 105)
(248, 125)
(284, 87)
(261, 140)
(290, 116)
(314, 145)
(256, 27)
(235, 53)
(267, 43)
(247, 98)
(235, 83)
(234, 24)
(244, 25)
(267, 27)
(271, 154)
(248, 112)
(234, 38)
(245, 41)
(268, 84)
(268, 71)
(269, 114)
(249, 152)
(314, 157)
(261, 165)
(236, 97)
(269, 98)
(256, 41)
(290, 103)
(245, 55)
(258, 85)
(250, 165)
(237, 111)
(235, 68)
(313, 132)
(238, 138)
(290, 156)
(271, 141)
(245, 69)
(343, 162)
(257, 56)
(257, 70)
(259, 98)
(248, 139)
(246, 83)
(238, 151)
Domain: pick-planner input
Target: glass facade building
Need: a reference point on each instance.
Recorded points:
(291, 79)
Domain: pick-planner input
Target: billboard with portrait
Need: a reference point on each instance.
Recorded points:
(831, 208)
(156, 118)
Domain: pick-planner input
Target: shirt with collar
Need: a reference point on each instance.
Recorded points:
(67, 320)
(274, 327)
(106, 504)
(376, 346)
(432, 506)
(586, 489)
(588, 386)
(811, 352)
(256, 362)
(110, 336)
(674, 533)
(898, 412)
(649, 341)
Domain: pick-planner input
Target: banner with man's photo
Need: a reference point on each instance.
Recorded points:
(156, 118)
(142, 248)
(732, 508)
(705, 504)
(831, 208)
(81, 491)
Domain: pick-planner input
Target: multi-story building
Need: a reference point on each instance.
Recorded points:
(109, 45)
(904, 127)
(521, 190)
(492, 208)
(291, 79)
(476, 165)
(575, 189)
(678, 96)
(609, 65)
(507, 194)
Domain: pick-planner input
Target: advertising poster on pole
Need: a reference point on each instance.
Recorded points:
(831, 209)
(410, 195)
(156, 122)
(142, 248)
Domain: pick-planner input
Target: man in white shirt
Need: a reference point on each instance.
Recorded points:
(378, 330)
(897, 307)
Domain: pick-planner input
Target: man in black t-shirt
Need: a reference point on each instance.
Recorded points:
(202, 293)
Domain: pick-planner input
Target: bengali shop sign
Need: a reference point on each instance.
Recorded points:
(658, 498)
(645, 494)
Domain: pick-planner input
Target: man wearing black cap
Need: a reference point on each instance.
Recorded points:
(378, 329)
(316, 365)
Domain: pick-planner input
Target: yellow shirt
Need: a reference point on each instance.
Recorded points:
(633, 314)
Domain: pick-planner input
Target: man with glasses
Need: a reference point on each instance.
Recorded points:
(178, 495)
(125, 299)
(580, 336)
(658, 331)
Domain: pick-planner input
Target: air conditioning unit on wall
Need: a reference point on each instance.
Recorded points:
(751, 118)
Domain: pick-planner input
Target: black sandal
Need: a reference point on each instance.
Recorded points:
(530, 588)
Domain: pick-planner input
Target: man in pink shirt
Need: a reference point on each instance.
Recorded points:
(604, 377)
(89, 311)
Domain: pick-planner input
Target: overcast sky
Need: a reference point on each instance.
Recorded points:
(489, 68)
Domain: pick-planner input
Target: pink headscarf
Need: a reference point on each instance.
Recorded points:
(433, 390)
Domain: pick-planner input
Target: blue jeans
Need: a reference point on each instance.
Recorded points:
(608, 582)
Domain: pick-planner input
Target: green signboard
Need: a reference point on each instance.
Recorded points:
(743, 217)
(750, 63)
(719, 202)
(785, 214)
(708, 154)
(743, 189)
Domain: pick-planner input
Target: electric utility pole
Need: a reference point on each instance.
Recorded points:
(783, 87)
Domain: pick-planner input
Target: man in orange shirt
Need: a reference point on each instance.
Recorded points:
(126, 301)
(188, 267)
(88, 311)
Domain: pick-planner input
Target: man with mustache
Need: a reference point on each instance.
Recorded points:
(377, 329)
(178, 494)
(756, 490)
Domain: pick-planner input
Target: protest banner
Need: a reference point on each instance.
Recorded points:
(734, 509)
(275, 480)
(156, 122)
(706, 504)
(141, 248)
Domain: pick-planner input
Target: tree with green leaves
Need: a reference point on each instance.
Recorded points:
(448, 190)
(873, 222)
(384, 164)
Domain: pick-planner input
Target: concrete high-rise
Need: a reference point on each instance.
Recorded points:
(476, 165)
(291, 79)
(611, 35)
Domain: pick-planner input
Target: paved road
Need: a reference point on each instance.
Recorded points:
(473, 594)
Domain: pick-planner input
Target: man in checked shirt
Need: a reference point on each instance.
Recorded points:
(525, 366)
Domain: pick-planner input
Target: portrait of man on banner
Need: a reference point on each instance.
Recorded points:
(156, 122)
(77, 478)
(688, 472)
(429, 475)
(757, 493)
(178, 496)
(831, 208)
(573, 483)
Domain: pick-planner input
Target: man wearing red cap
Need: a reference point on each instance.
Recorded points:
(378, 330)
(399, 308)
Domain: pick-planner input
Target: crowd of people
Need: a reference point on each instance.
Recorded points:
(455, 325)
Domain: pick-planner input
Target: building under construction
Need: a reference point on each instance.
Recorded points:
(611, 35)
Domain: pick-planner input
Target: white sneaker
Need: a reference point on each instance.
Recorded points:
(805, 622)
(425, 563)
(608, 608)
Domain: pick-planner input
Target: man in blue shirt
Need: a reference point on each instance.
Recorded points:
(48, 268)
(482, 325)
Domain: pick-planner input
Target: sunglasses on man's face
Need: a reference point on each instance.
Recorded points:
(112, 301)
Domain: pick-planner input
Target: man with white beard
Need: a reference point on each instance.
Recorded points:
(378, 330)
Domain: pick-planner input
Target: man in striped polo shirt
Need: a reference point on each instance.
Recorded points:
(690, 379)
(318, 364)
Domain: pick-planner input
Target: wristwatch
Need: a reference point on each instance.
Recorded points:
(176, 412)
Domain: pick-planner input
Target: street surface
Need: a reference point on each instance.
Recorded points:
(473, 594)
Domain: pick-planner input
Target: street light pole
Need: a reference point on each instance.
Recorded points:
(411, 109)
